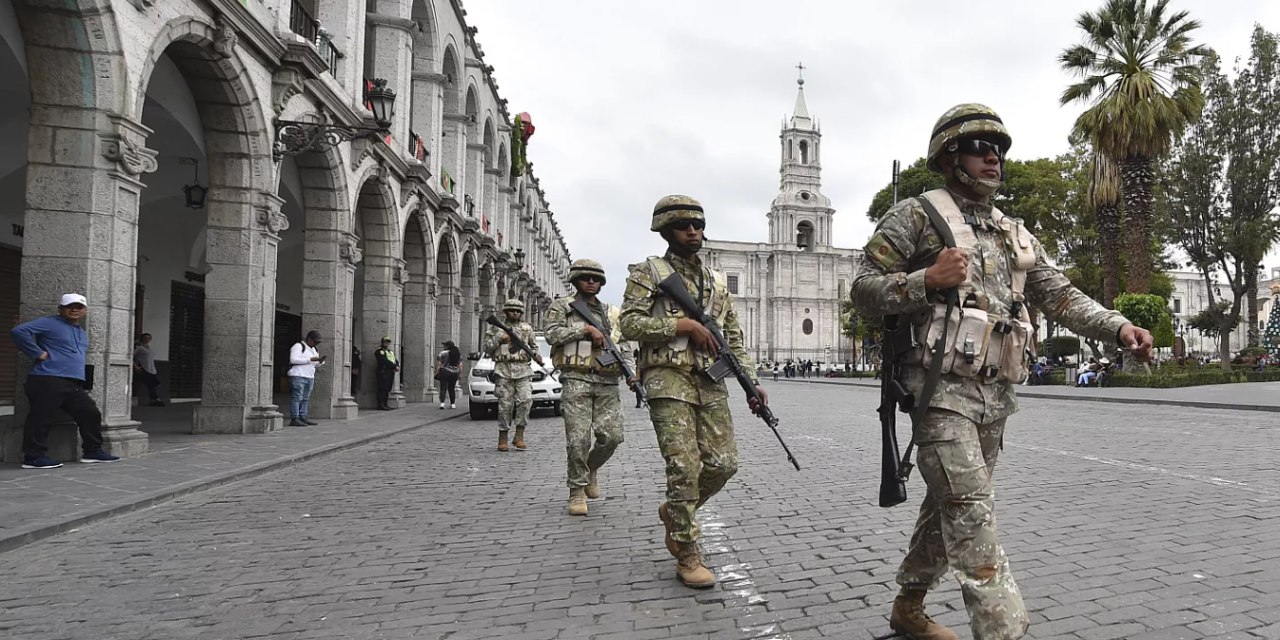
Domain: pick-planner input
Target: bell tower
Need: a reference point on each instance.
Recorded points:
(801, 215)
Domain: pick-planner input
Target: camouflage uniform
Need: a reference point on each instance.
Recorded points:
(514, 384)
(689, 411)
(961, 434)
(590, 400)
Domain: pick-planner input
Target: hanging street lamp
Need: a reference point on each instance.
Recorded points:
(294, 137)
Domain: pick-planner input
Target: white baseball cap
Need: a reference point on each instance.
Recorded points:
(73, 298)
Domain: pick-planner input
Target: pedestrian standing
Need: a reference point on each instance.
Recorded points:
(305, 359)
(689, 410)
(448, 370)
(355, 370)
(58, 345)
(994, 273)
(513, 384)
(386, 373)
(590, 401)
(144, 366)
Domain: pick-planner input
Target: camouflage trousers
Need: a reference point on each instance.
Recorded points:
(956, 528)
(697, 444)
(590, 409)
(515, 399)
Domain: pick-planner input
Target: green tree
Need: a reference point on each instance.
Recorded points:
(1138, 68)
(912, 181)
(1163, 331)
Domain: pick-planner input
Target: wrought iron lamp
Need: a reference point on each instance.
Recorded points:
(196, 193)
(294, 137)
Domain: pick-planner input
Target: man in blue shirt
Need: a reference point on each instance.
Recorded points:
(57, 344)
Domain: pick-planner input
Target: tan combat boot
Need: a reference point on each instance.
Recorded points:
(909, 618)
(519, 441)
(502, 441)
(666, 524)
(577, 502)
(689, 567)
(593, 487)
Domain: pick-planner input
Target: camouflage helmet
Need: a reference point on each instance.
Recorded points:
(967, 120)
(673, 208)
(513, 305)
(586, 267)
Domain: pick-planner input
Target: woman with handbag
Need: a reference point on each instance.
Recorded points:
(448, 370)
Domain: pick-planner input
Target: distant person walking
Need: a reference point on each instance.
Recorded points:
(448, 369)
(144, 366)
(58, 345)
(302, 377)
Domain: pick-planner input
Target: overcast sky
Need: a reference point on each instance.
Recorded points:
(633, 101)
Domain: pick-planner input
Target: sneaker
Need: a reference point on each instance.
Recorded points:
(40, 463)
(98, 456)
(441, 405)
(453, 406)
(308, 422)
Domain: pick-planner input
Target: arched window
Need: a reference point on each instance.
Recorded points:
(804, 152)
(791, 149)
(804, 235)
(807, 327)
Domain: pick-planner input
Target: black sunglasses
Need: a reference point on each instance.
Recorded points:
(978, 147)
(596, 279)
(683, 225)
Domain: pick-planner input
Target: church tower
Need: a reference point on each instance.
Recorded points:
(801, 215)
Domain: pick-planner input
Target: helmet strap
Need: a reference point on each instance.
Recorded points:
(979, 186)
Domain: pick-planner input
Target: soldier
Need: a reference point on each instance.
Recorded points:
(386, 373)
(690, 411)
(513, 385)
(1000, 269)
(589, 400)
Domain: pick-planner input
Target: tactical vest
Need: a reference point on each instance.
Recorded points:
(676, 352)
(581, 355)
(509, 352)
(989, 345)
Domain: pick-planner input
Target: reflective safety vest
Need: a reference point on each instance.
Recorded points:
(985, 344)
(676, 352)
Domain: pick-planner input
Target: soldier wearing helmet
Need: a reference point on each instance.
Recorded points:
(998, 271)
(689, 410)
(589, 401)
(513, 383)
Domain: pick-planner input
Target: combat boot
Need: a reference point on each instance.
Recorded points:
(502, 441)
(689, 567)
(577, 502)
(666, 524)
(909, 618)
(519, 441)
(593, 487)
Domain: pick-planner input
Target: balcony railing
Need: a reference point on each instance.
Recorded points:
(417, 147)
(308, 28)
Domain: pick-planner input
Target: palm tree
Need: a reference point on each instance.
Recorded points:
(1104, 198)
(1140, 71)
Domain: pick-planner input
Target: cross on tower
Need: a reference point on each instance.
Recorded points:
(801, 67)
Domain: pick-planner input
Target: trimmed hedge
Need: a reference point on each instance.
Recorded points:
(1200, 378)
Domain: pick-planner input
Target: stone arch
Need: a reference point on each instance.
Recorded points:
(472, 109)
(448, 295)
(470, 323)
(417, 310)
(504, 165)
(423, 14)
(452, 71)
(490, 143)
(379, 278)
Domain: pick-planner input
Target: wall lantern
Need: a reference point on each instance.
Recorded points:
(195, 192)
(294, 137)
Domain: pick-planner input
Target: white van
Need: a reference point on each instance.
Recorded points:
(546, 385)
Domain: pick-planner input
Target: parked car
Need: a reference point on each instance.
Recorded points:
(546, 385)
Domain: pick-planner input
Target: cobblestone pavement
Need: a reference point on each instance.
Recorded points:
(1121, 522)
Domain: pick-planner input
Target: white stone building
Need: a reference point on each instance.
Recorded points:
(788, 290)
(111, 107)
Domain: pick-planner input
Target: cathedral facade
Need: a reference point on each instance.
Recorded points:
(787, 291)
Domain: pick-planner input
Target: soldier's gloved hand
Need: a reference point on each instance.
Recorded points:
(698, 334)
(538, 360)
(1138, 341)
(951, 269)
(597, 338)
(631, 383)
(764, 397)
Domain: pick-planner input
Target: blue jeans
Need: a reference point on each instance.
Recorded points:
(301, 395)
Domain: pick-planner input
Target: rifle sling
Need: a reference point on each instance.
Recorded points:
(935, 367)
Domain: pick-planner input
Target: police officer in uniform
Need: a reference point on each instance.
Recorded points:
(690, 411)
(589, 400)
(386, 373)
(513, 384)
(999, 270)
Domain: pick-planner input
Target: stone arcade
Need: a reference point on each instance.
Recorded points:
(111, 107)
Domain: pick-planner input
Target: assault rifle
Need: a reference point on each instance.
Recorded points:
(726, 362)
(516, 340)
(611, 353)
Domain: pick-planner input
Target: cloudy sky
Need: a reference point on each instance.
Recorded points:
(633, 101)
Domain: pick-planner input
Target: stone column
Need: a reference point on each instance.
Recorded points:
(400, 275)
(418, 338)
(240, 298)
(391, 49)
(81, 229)
(381, 305)
(329, 266)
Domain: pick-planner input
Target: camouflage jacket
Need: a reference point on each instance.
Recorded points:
(639, 324)
(890, 280)
(515, 369)
(563, 326)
